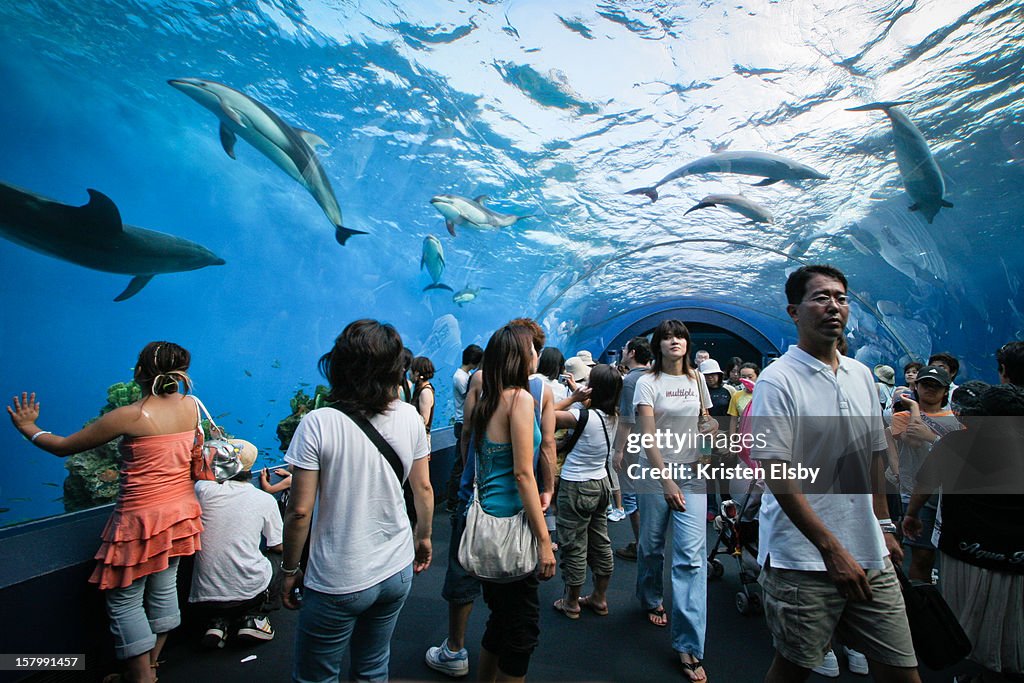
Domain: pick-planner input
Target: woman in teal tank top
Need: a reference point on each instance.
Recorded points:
(506, 436)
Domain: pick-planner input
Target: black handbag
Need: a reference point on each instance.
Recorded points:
(939, 640)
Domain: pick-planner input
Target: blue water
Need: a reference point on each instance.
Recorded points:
(552, 110)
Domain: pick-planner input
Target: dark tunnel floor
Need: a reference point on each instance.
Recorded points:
(618, 647)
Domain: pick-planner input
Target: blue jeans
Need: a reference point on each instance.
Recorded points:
(141, 611)
(329, 624)
(689, 610)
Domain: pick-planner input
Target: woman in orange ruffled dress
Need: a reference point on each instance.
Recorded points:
(156, 519)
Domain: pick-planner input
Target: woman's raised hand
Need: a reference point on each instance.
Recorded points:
(24, 411)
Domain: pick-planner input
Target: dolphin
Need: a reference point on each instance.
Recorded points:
(738, 203)
(460, 210)
(290, 148)
(466, 295)
(772, 166)
(433, 260)
(93, 236)
(921, 175)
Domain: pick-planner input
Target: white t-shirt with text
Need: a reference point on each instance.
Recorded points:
(676, 408)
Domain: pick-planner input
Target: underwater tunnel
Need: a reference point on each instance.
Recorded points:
(246, 178)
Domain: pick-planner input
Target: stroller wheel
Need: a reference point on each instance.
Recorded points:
(717, 569)
(756, 606)
(742, 603)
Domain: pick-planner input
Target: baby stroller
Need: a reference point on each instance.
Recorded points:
(737, 535)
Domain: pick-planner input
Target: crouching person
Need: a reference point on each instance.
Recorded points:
(232, 578)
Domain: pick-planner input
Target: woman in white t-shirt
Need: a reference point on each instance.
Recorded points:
(668, 402)
(347, 499)
(584, 491)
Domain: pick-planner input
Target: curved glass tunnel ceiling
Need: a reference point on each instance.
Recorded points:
(554, 112)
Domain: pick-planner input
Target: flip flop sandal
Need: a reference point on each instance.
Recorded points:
(585, 602)
(560, 607)
(659, 612)
(692, 667)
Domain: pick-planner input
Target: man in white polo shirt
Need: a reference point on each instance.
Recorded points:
(825, 555)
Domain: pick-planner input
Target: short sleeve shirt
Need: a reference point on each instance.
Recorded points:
(676, 405)
(805, 411)
(360, 533)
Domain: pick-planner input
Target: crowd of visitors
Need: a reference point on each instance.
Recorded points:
(567, 446)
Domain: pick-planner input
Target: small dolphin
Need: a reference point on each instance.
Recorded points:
(772, 166)
(467, 295)
(433, 260)
(921, 175)
(94, 236)
(738, 203)
(460, 210)
(290, 148)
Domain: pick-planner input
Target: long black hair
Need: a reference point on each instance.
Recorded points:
(605, 389)
(364, 367)
(506, 364)
(552, 363)
(666, 330)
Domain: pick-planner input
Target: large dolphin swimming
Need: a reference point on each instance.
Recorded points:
(94, 236)
(772, 166)
(738, 203)
(921, 175)
(290, 148)
(463, 211)
(433, 260)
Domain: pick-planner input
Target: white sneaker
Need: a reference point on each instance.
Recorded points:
(857, 662)
(828, 668)
(616, 515)
(442, 659)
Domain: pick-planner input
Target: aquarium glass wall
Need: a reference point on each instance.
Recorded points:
(188, 171)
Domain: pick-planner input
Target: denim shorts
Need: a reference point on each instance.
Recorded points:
(459, 587)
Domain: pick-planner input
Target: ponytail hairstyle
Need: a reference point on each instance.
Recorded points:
(605, 389)
(161, 367)
(506, 365)
(666, 330)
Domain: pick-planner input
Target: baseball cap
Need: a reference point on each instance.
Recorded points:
(935, 374)
(710, 367)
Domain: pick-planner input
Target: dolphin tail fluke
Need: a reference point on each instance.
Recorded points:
(879, 106)
(701, 205)
(341, 233)
(766, 182)
(451, 227)
(134, 287)
(438, 285)
(651, 192)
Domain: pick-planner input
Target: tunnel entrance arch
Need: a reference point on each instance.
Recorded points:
(724, 333)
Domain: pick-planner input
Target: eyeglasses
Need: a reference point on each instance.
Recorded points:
(823, 300)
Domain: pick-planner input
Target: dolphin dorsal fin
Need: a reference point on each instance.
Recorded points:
(100, 215)
(310, 138)
(481, 199)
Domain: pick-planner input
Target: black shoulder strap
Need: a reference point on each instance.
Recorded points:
(388, 451)
(581, 423)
